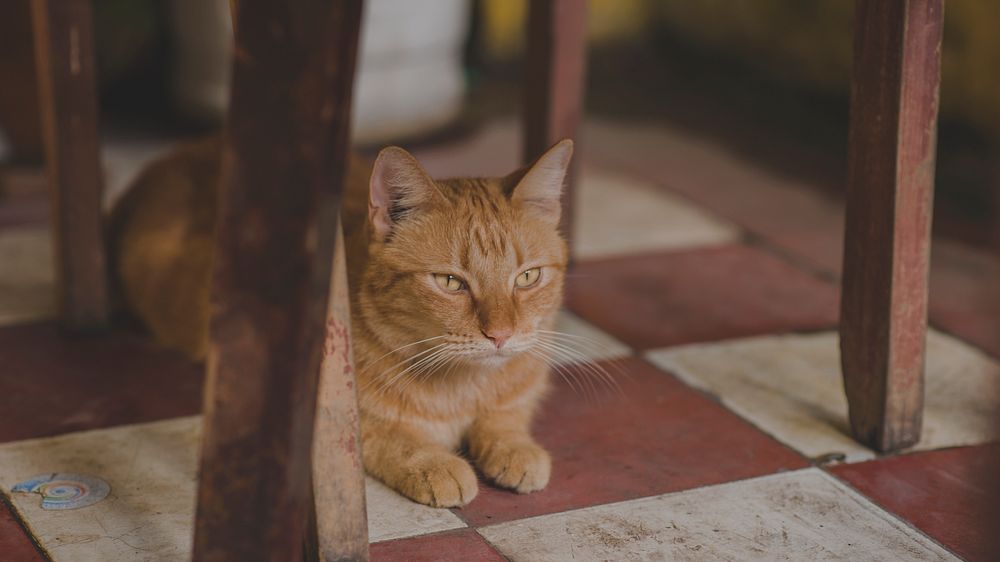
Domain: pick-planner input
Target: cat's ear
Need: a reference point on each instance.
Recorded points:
(399, 185)
(540, 188)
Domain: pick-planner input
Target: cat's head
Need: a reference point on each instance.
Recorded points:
(475, 264)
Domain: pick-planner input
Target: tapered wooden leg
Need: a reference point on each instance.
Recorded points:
(894, 105)
(341, 521)
(556, 64)
(67, 84)
(283, 161)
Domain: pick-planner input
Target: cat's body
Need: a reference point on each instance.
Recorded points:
(453, 283)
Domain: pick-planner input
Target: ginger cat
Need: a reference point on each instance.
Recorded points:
(455, 285)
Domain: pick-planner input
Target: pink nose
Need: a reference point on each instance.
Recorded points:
(498, 336)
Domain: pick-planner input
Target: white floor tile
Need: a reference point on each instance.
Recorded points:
(590, 341)
(802, 515)
(27, 277)
(149, 514)
(790, 386)
(392, 516)
(618, 215)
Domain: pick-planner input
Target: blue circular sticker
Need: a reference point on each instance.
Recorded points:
(64, 490)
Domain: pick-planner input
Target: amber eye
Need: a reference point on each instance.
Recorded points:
(528, 278)
(449, 283)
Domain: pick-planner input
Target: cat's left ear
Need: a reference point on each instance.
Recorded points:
(540, 188)
(399, 186)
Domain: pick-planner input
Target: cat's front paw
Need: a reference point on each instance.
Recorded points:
(521, 466)
(439, 480)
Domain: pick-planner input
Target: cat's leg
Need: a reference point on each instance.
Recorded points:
(503, 449)
(413, 464)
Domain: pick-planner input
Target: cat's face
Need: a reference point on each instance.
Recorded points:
(473, 266)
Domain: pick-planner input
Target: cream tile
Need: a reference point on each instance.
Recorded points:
(27, 277)
(592, 342)
(148, 515)
(803, 515)
(391, 516)
(617, 214)
(791, 387)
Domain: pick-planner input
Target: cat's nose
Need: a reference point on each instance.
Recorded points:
(498, 336)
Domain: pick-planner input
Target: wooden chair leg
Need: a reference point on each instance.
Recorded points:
(894, 104)
(556, 64)
(67, 84)
(283, 163)
(341, 522)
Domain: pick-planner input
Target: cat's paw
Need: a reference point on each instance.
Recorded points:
(521, 466)
(439, 480)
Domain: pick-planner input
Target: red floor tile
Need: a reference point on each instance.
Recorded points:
(950, 494)
(52, 383)
(463, 545)
(15, 545)
(788, 212)
(791, 214)
(656, 436)
(699, 295)
(965, 294)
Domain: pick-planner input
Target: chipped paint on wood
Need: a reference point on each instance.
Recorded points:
(338, 474)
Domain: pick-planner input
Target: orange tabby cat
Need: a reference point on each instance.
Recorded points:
(453, 282)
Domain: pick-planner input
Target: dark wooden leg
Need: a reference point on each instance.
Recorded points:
(556, 64)
(339, 478)
(283, 161)
(19, 107)
(894, 105)
(67, 84)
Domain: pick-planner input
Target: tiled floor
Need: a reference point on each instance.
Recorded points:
(801, 515)
(697, 295)
(55, 383)
(704, 284)
(790, 386)
(947, 494)
(654, 436)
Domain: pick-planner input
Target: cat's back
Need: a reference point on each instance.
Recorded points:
(161, 237)
(162, 232)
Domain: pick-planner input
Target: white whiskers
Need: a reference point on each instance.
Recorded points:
(559, 349)
(564, 353)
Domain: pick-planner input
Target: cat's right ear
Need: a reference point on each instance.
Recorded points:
(399, 185)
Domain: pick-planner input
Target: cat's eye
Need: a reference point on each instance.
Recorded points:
(449, 283)
(528, 278)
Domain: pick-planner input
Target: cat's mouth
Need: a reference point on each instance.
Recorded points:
(494, 356)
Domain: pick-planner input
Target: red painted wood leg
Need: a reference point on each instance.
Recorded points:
(894, 106)
(556, 64)
(341, 519)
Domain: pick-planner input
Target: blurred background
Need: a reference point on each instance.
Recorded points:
(767, 79)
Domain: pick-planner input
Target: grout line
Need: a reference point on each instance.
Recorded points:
(649, 497)
(889, 512)
(750, 237)
(718, 400)
(23, 524)
(803, 264)
(493, 546)
(933, 324)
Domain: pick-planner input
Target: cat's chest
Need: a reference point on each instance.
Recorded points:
(447, 410)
